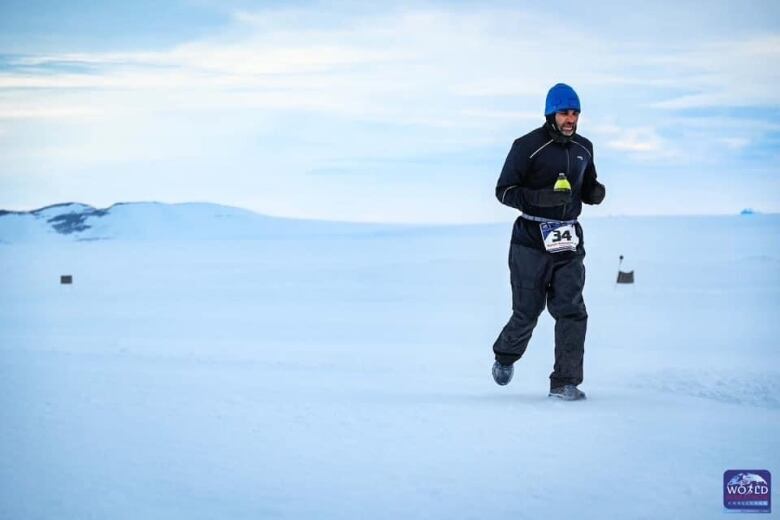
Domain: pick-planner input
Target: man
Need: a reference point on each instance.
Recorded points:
(548, 174)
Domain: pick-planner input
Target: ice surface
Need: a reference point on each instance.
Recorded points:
(347, 374)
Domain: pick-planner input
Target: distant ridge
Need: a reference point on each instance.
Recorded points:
(160, 221)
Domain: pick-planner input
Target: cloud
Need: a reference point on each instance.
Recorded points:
(416, 67)
(634, 143)
(47, 112)
(412, 66)
(636, 140)
(283, 92)
(726, 73)
(735, 143)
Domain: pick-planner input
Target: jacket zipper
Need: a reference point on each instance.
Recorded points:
(563, 213)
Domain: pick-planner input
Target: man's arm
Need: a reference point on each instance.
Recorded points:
(508, 189)
(593, 192)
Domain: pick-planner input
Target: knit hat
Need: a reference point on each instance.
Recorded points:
(561, 97)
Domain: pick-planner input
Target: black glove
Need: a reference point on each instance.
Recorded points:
(547, 198)
(595, 194)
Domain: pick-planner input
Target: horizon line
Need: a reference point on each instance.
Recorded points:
(743, 212)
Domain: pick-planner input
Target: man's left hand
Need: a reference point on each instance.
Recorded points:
(596, 193)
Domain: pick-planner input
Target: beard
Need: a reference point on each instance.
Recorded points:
(568, 130)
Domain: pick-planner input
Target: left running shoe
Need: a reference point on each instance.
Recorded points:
(502, 374)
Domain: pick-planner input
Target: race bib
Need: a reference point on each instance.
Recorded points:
(559, 237)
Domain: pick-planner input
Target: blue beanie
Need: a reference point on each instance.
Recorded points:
(561, 97)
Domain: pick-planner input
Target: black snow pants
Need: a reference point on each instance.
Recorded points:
(557, 279)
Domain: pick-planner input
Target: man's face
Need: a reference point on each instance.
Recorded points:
(567, 121)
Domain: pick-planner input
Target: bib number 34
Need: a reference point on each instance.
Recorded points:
(559, 237)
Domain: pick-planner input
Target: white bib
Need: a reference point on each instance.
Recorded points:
(559, 237)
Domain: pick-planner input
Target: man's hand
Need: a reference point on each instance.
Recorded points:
(595, 195)
(547, 198)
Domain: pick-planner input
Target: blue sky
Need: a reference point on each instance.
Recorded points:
(401, 112)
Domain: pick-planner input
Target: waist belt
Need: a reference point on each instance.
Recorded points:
(540, 219)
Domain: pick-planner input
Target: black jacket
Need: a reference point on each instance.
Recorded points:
(534, 163)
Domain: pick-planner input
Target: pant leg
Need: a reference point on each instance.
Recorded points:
(529, 272)
(566, 305)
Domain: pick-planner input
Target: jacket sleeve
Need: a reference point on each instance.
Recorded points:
(517, 163)
(593, 192)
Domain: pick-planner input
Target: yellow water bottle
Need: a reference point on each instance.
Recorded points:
(562, 184)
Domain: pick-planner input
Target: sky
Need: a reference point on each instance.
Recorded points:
(394, 112)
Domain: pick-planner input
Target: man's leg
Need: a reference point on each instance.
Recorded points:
(565, 303)
(529, 269)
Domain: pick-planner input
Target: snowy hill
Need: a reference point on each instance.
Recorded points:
(157, 221)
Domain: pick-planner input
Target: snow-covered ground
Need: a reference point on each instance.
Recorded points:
(345, 373)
